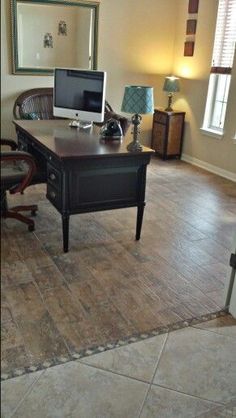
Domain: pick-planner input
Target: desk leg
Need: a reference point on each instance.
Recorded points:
(139, 221)
(65, 229)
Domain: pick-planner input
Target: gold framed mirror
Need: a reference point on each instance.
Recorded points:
(53, 33)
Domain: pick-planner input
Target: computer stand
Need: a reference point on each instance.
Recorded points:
(83, 124)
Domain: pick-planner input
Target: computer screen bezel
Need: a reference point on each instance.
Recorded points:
(79, 114)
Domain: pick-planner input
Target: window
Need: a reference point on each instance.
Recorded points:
(222, 61)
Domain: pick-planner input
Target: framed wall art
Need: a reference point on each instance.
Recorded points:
(191, 26)
(188, 48)
(193, 6)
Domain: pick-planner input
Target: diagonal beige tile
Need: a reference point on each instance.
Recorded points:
(225, 325)
(198, 362)
(13, 391)
(165, 403)
(226, 411)
(75, 390)
(137, 360)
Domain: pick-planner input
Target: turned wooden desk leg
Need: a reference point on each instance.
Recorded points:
(65, 230)
(139, 221)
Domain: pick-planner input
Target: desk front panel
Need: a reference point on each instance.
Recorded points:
(97, 184)
(107, 178)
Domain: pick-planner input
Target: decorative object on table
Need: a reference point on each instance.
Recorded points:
(48, 40)
(111, 129)
(171, 85)
(137, 100)
(62, 28)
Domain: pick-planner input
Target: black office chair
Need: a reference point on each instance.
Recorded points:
(17, 170)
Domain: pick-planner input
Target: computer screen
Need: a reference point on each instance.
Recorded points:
(79, 94)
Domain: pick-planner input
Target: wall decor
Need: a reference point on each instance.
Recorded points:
(48, 40)
(62, 28)
(191, 26)
(31, 58)
(193, 6)
(188, 48)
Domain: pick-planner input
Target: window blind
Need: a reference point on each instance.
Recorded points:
(225, 37)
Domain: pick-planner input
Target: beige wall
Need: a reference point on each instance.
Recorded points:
(139, 43)
(194, 73)
(136, 44)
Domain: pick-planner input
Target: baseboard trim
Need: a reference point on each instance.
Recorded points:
(209, 167)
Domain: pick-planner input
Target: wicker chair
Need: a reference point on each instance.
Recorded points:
(34, 104)
(38, 104)
(17, 170)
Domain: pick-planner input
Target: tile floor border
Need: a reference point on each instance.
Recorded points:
(111, 345)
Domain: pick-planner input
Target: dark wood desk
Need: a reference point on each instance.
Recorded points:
(85, 173)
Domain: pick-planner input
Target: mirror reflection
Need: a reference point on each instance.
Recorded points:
(52, 34)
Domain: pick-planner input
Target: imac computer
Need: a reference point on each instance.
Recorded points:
(79, 95)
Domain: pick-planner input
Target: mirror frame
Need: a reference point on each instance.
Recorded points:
(49, 71)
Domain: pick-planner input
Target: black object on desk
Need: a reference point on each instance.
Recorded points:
(85, 174)
(111, 129)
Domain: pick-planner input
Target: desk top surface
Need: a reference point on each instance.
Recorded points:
(66, 142)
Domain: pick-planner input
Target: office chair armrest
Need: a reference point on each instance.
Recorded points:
(9, 142)
(20, 156)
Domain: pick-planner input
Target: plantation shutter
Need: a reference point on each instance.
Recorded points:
(225, 38)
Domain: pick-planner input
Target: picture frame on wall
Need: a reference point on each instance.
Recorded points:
(191, 26)
(193, 6)
(188, 48)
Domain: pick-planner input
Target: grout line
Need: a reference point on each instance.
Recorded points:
(120, 373)
(136, 379)
(213, 331)
(26, 394)
(153, 376)
(189, 394)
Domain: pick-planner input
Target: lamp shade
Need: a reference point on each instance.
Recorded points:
(171, 84)
(138, 99)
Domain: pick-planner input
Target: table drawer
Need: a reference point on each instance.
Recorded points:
(54, 196)
(160, 118)
(53, 176)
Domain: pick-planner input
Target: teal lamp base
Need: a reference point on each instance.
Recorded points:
(135, 145)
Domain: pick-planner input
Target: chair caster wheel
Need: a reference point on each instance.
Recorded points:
(31, 228)
(33, 212)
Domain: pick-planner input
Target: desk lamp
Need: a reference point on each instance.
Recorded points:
(137, 99)
(171, 85)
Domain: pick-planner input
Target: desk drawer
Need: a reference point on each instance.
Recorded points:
(53, 176)
(26, 145)
(54, 196)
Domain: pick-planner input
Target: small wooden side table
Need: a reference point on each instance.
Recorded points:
(167, 133)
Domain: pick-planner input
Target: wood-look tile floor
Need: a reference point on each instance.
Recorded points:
(109, 286)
